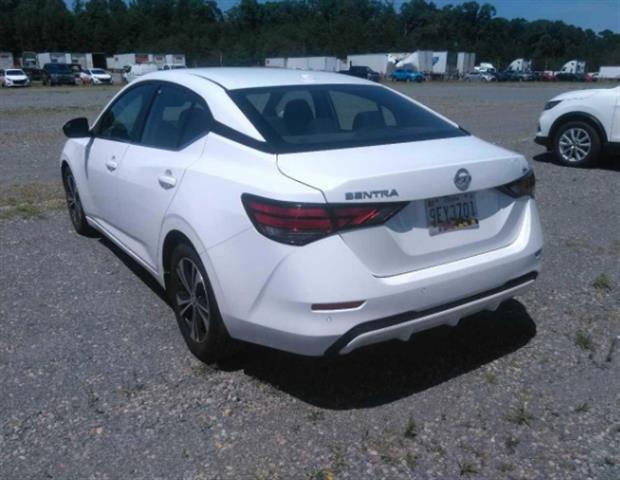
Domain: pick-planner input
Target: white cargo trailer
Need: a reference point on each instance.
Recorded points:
(609, 73)
(520, 65)
(121, 60)
(80, 58)
(52, 57)
(158, 59)
(324, 64)
(175, 59)
(297, 63)
(465, 62)
(6, 60)
(275, 62)
(444, 64)
(382, 63)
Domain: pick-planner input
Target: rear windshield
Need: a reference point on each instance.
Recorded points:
(320, 117)
(58, 68)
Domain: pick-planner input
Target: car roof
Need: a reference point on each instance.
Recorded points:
(233, 78)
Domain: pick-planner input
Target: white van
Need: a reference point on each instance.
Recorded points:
(134, 71)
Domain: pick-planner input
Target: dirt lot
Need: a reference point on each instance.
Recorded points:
(97, 383)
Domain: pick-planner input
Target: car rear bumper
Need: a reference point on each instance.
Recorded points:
(268, 298)
(403, 325)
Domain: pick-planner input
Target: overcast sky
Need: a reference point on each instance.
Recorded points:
(595, 14)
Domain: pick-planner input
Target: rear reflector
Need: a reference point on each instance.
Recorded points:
(301, 223)
(317, 307)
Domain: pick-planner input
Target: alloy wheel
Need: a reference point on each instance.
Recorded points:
(575, 144)
(192, 300)
(73, 199)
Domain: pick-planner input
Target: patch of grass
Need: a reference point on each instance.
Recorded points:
(520, 415)
(338, 461)
(602, 282)
(321, 474)
(490, 378)
(505, 467)
(202, 370)
(411, 431)
(582, 407)
(30, 200)
(467, 468)
(411, 460)
(609, 461)
(584, 341)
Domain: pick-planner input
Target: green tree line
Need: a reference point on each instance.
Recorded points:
(251, 31)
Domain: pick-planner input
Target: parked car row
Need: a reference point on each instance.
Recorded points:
(528, 76)
(53, 74)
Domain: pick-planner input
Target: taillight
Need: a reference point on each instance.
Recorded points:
(301, 223)
(525, 185)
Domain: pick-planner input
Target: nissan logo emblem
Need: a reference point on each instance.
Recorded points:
(462, 179)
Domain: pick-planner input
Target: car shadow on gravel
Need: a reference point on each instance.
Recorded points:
(384, 373)
(607, 162)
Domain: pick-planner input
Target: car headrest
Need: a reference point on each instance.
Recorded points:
(368, 120)
(297, 115)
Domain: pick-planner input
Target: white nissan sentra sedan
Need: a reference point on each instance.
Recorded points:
(310, 212)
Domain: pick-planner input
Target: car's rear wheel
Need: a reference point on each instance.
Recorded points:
(196, 309)
(74, 204)
(577, 144)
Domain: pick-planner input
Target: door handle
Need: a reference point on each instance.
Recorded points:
(111, 164)
(167, 181)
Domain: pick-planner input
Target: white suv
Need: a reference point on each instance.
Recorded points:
(310, 212)
(14, 77)
(577, 126)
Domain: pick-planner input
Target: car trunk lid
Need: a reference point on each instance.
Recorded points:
(424, 175)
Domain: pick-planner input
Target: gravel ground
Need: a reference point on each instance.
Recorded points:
(97, 383)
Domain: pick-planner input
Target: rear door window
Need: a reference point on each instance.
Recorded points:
(178, 117)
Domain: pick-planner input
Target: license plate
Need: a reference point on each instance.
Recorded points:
(455, 212)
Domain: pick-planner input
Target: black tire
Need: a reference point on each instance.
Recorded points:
(74, 205)
(583, 138)
(196, 311)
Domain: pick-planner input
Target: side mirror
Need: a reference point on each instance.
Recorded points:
(76, 128)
